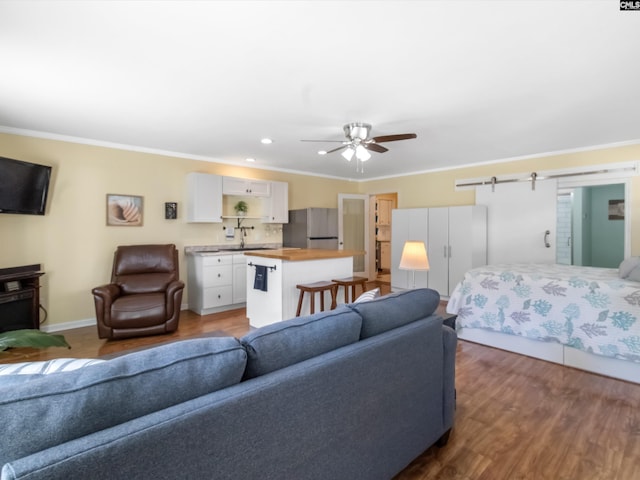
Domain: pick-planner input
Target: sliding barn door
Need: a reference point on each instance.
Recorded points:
(521, 222)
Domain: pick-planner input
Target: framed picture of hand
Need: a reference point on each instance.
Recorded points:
(124, 210)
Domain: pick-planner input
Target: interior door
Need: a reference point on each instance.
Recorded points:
(353, 229)
(521, 221)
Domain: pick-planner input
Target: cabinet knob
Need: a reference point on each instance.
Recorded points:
(219, 275)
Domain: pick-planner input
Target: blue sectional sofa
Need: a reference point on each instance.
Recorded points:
(354, 393)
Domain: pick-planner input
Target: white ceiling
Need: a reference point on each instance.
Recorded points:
(477, 81)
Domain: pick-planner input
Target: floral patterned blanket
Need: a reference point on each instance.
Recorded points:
(587, 308)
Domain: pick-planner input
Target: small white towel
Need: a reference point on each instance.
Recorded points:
(231, 232)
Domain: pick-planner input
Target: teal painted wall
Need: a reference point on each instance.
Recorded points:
(607, 236)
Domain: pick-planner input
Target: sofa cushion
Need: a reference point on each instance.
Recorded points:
(396, 309)
(284, 343)
(62, 406)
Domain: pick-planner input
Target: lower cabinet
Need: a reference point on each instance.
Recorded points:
(239, 278)
(211, 287)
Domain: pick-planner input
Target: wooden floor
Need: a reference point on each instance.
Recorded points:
(516, 417)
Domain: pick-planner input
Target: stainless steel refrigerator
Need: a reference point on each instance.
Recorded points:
(311, 228)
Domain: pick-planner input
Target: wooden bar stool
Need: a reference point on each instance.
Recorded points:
(350, 282)
(313, 288)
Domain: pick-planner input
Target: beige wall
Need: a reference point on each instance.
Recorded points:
(75, 247)
(438, 188)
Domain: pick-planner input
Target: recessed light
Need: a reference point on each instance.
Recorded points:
(266, 141)
(322, 152)
(250, 159)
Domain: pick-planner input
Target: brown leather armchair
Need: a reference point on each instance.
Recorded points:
(145, 293)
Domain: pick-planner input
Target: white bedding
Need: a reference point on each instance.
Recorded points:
(587, 308)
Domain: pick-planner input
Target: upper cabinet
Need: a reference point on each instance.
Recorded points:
(204, 198)
(384, 211)
(276, 207)
(245, 186)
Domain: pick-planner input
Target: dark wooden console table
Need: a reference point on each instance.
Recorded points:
(20, 297)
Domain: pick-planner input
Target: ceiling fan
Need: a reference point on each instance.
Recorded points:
(358, 142)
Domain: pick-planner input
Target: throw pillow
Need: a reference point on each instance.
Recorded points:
(627, 265)
(367, 296)
(634, 275)
(14, 373)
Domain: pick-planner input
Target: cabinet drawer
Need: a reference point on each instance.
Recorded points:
(217, 276)
(216, 260)
(217, 296)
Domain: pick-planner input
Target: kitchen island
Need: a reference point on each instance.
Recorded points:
(286, 268)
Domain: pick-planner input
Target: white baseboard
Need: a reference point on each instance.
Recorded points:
(56, 327)
(88, 322)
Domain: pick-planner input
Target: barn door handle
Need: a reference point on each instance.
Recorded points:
(546, 239)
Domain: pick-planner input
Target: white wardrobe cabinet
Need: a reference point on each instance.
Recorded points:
(456, 242)
(407, 224)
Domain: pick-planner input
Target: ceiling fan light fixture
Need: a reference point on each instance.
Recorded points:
(362, 153)
(348, 154)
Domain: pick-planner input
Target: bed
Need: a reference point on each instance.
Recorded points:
(584, 317)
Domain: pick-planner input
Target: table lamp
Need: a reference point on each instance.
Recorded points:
(414, 257)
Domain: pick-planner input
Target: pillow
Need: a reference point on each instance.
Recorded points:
(58, 408)
(634, 275)
(396, 309)
(627, 265)
(284, 343)
(14, 373)
(367, 296)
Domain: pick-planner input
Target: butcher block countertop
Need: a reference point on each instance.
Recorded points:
(302, 254)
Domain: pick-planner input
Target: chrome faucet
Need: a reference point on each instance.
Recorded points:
(243, 233)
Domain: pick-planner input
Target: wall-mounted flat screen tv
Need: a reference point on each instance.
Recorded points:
(23, 187)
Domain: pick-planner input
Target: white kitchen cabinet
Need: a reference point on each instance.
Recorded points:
(456, 242)
(245, 187)
(239, 278)
(210, 283)
(407, 224)
(276, 206)
(204, 198)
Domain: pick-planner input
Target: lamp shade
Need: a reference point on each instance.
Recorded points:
(348, 154)
(414, 256)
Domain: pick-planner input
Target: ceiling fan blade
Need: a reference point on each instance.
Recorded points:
(336, 149)
(393, 138)
(376, 148)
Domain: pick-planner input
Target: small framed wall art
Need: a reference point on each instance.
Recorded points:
(124, 210)
(616, 209)
(171, 210)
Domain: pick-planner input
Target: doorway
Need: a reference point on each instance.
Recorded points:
(591, 225)
(381, 206)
